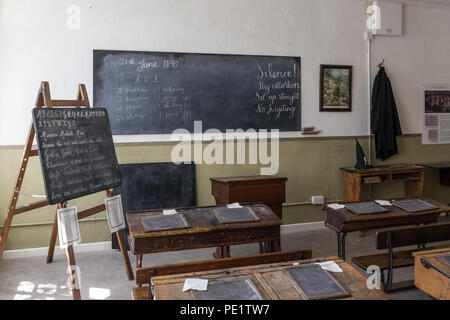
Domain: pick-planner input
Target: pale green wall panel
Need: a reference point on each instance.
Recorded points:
(311, 165)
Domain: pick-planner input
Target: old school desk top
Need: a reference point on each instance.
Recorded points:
(431, 274)
(412, 175)
(205, 230)
(270, 280)
(343, 221)
(266, 189)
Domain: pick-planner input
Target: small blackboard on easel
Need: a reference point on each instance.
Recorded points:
(314, 283)
(236, 289)
(162, 222)
(235, 215)
(414, 205)
(365, 208)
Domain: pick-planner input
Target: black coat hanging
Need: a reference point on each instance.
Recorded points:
(384, 120)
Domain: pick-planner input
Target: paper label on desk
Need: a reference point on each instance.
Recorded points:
(383, 202)
(336, 206)
(195, 284)
(330, 266)
(169, 212)
(114, 213)
(68, 228)
(234, 205)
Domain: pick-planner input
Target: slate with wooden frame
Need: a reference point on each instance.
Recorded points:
(335, 88)
(314, 283)
(235, 215)
(44, 100)
(414, 205)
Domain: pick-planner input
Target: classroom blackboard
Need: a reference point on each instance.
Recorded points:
(158, 92)
(155, 186)
(76, 151)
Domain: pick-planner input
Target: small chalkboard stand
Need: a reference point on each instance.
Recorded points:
(44, 100)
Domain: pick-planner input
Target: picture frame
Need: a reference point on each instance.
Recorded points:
(335, 88)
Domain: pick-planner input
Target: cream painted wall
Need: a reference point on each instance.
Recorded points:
(420, 56)
(37, 45)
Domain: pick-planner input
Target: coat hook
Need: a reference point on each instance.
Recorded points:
(381, 64)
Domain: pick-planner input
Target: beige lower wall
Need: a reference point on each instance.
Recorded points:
(311, 165)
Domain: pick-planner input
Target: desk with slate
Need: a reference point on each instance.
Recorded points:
(205, 231)
(270, 281)
(343, 221)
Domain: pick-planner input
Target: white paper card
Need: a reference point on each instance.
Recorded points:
(195, 284)
(169, 212)
(336, 206)
(114, 213)
(68, 228)
(234, 205)
(383, 202)
(330, 266)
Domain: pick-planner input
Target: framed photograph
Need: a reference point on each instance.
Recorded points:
(335, 88)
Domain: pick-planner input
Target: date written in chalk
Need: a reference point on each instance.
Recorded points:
(229, 309)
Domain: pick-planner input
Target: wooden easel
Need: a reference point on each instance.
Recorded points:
(44, 100)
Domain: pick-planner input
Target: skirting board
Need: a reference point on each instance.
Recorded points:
(106, 245)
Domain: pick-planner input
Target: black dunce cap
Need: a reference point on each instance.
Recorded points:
(361, 161)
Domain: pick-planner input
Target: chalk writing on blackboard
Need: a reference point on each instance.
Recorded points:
(76, 151)
(158, 92)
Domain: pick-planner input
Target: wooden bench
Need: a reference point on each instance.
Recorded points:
(144, 275)
(402, 237)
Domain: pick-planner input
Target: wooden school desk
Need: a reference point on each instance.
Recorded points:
(269, 279)
(412, 176)
(343, 221)
(266, 189)
(444, 171)
(431, 274)
(205, 231)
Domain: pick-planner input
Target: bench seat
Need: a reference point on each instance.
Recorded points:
(402, 258)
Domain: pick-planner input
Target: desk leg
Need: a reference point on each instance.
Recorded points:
(222, 252)
(341, 244)
(139, 261)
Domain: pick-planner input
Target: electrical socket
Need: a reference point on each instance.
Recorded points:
(317, 199)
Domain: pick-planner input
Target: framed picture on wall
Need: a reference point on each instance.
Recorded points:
(335, 88)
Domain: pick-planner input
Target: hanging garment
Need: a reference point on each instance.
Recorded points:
(384, 120)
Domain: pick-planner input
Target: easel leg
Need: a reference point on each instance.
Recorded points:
(125, 257)
(51, 246)
(76, 293)
(54, 235)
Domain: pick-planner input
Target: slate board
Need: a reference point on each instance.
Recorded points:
(239, 289)
(315, 283)
(160, 223)
(414, 205)
(365, 208)
(155, 186)
(76, 151)
(445, 259)
(234, 215)
(158, 92)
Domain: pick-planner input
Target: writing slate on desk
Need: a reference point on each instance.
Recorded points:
(76, 151)
(157, 92)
